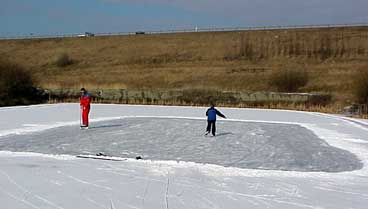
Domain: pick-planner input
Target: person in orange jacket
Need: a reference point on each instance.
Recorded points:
(85, 105)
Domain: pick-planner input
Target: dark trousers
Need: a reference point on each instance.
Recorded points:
(211, 124)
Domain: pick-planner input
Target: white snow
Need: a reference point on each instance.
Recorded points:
(34, 180)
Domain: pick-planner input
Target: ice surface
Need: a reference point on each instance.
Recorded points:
(237, 144)
(48, 181)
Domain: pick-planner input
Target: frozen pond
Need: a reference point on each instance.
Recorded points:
(238, 144)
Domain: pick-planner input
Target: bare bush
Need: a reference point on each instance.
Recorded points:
(244, 50)
(360, 85)
(288, 80)
(63, 60)
(16, 85)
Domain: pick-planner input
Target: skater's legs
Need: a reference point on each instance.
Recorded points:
(208, 127)
(85, 116)
(214, 128)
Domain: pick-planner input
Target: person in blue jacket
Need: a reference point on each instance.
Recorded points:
(211, 114)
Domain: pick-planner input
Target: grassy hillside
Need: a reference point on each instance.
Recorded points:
(237, 61)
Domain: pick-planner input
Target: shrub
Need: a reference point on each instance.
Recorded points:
(63, 60)
(360, 85)
(207, 96)
(320, 99)
(16, 85)
(288, 80)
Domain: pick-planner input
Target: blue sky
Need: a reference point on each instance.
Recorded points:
(22, 17)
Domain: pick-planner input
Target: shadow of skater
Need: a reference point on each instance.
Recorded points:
(225, 133)
(107, 126)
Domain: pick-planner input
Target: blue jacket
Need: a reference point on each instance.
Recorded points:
(212, 112)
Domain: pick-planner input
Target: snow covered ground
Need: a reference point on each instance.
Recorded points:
(260, 159)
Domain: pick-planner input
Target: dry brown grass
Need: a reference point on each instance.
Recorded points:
(240, 61)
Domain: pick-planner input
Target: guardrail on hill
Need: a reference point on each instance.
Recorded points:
(213, 29)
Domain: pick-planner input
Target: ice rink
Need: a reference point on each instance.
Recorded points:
(259, 159)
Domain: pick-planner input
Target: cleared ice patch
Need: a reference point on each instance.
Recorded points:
(237, 144)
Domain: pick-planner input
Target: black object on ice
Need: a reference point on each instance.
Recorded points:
(138, 158)
(101, 157)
